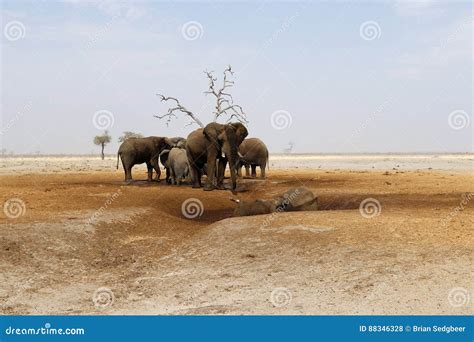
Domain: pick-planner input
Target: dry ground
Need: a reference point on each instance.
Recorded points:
(406, 260)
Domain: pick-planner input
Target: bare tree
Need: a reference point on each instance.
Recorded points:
(127, 135)
(224, 101)
(102, 140)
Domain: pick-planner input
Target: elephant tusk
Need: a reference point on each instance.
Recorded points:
(235, 200)
(164, 151)
(240, 155)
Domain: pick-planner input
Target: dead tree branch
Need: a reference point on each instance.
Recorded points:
(178, 108)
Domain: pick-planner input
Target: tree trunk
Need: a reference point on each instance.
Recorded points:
(102, 153)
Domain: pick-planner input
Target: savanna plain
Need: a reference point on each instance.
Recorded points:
(80, 229)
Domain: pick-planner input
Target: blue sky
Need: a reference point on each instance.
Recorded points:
(344, 76)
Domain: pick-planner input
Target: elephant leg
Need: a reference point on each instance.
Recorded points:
(247, 170)
(168, 175)
(199, 176)
(127, 167)
(173, 176)
(239, 171)
(126, 171)
(150, 171)
(128, 174)
(155, 163)
(262, 170)
(220, 172)
(158, 172)
(211, 169)
(195, 176)
(254, 171)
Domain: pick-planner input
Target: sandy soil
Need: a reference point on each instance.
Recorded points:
(84, 238)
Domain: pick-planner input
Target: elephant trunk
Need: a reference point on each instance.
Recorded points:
(232, 154)
(233, 173)
(234, 162)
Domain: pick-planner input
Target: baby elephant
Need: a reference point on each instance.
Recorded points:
(295, 199)
(174, 142)
(178, 164)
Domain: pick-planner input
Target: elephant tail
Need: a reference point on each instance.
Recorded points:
(118, 155)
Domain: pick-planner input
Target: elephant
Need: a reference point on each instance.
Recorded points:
(294, 199)
(174, 142)
(142, 150)
(253, 153)
(256, 207)
(178, 164)
(207, 145)
(297, 199)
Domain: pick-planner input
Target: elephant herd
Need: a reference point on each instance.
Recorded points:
(205, 151)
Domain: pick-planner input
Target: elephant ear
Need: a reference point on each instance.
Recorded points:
(240, 131)
(168, 142)
(213, 132)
